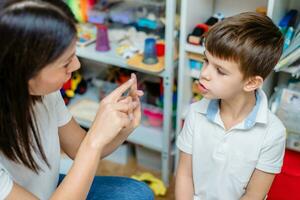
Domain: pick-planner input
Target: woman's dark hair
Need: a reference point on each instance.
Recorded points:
(33, 34)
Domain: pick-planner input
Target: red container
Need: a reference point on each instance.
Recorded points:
(160, 49)
(286, 185)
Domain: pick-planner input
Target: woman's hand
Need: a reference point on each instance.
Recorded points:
(135, 114)
(112, 115)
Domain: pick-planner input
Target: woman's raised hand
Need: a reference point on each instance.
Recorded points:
(135, 114)
(113, 115)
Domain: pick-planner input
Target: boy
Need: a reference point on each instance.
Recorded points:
(231, 145)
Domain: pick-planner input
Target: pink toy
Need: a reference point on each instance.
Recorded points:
(154, 116)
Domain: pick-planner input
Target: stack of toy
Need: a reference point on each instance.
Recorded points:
(196, 37)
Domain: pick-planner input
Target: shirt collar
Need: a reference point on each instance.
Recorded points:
(259, 113)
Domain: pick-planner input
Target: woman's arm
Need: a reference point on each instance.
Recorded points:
(258, 186)
(109, 121)
(184, 188)
(78, 181)
(70, 137)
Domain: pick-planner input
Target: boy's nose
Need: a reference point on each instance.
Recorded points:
(204, 74)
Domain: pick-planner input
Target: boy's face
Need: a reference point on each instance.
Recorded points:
(52, 77)
(220, 79)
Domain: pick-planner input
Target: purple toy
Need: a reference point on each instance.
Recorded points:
(102, 43)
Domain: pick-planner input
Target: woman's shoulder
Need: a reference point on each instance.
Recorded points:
(6, 182)
(52, 97)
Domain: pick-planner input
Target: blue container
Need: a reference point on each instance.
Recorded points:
(150, 56)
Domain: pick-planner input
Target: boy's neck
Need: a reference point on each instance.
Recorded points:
(235, 110)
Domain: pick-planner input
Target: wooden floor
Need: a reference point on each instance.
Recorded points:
(108, 168)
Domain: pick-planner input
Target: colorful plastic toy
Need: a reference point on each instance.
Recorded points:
(102, 42)
(74, 85)
(153, 116)
(197, 35)
(156, 185)
(150, 55)
(80, 8)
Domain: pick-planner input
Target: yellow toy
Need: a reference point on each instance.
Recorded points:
(76, 84)
(156, 185)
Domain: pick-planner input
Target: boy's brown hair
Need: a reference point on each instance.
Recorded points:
(250, 39)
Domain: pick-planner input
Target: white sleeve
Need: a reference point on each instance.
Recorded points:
(63, 114)
(185, 137)
(6, 183)
(272, 152)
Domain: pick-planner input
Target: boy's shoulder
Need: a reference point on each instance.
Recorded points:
(275, 126)
(200, 106)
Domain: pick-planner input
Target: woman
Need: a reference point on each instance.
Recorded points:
(37, 55)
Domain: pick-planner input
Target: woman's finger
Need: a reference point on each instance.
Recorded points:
(125, 107)
(115, 95)
(139, 93)
(125, 120)
(126, 99)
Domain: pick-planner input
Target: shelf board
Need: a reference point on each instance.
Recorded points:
(194, 48)
(146, 136)
(109, 57)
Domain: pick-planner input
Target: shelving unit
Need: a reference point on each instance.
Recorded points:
(198, 11)
(156, 139)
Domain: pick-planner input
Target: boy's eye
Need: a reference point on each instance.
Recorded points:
(205, 60)
(220, 72)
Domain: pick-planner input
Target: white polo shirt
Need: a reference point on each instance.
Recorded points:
(223, 161)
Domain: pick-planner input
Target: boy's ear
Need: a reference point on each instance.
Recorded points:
(253, 83)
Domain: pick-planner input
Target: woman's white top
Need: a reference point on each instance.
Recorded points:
(51, 113)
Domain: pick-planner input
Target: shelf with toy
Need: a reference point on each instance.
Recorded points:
(112, 58)
(147, 21)
(194, 48)
(109, 57)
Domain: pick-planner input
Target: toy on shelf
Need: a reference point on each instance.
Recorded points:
(149, 18)
(152, 60)
(160, 49)
(80, 8)
(156, 185)
(262, 10)
(123, 14)
(97, 16)
(150, 56)
(288, 20)
(196, 37)
(129, 41)
(76, 84)
(153, 116)
(102, 43)
(86, 34)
